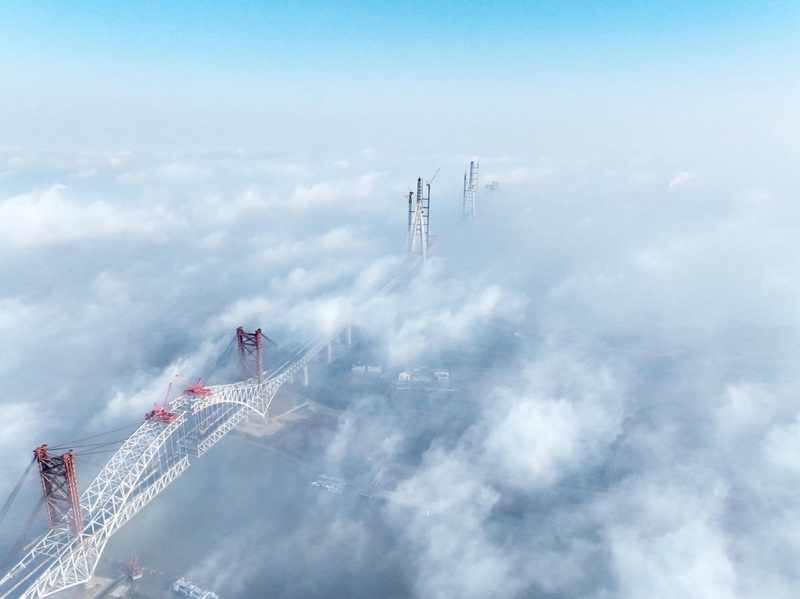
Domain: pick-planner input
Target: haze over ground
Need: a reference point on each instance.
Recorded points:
(170, 172)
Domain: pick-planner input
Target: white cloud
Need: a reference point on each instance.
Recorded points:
(660, 456)
(24, 424)
(367, 153)
(48, 217)
(782, 448)
(182, 170)
(225, 211)
(345, 193)
(680, 178)
(538, 434)
(667, 542)
(272, 252)
(755, 197)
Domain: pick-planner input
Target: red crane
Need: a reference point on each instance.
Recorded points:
(160, 413)
(136, 570)
(196, 390)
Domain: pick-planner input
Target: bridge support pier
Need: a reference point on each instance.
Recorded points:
(330, 353)
(305, 375)
(349, 336)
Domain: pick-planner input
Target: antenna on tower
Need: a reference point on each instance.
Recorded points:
(470, 192)
(428, 209)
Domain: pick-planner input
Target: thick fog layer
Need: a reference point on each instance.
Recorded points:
(621, 333)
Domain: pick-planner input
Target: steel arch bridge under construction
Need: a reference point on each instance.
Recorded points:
(155, 454)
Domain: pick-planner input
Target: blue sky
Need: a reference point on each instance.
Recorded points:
(205, 59)
(361, 34)
(549, 79)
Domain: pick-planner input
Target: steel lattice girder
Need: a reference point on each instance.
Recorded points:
(126, 483)
(120, 490)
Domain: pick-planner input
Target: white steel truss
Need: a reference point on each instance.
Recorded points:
(156, 454)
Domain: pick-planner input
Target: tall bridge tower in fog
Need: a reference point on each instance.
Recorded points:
(470, 192)
(417, 243)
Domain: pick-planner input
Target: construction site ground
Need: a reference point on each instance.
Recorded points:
(296, 426)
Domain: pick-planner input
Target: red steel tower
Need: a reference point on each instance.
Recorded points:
(60, 487)
(251, 358)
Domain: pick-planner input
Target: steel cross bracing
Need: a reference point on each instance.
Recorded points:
(145, 464)
(149, 460)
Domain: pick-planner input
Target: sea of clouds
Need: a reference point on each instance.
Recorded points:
(630, 430)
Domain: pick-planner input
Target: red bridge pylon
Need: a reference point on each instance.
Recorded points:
(251, 354)
(60, 488)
